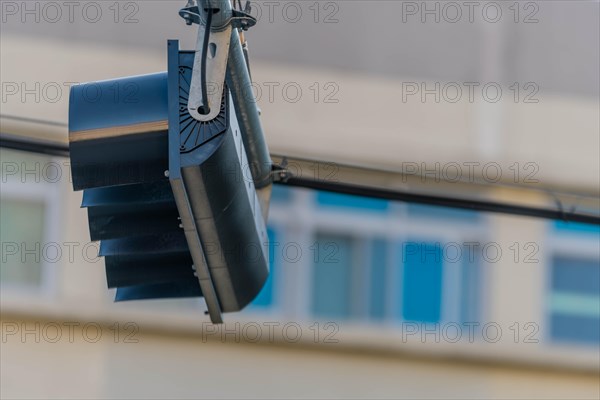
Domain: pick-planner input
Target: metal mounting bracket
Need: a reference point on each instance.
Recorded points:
(216, 68)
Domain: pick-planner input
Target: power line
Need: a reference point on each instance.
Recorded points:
(62, 150)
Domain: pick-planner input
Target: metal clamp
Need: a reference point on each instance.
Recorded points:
(239, 19)
(216, 68)
(217, 53)
(280, 173)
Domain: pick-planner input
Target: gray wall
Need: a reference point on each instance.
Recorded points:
(560, 52)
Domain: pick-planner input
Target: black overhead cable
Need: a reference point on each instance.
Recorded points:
(442, 201)
(62, 150)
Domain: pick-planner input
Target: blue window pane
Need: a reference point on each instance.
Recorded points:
(265, 297)
(470, 291)
(422, 282)
(575, 329)
(332, 277)
(281, 194)
(337, 200)
(574, 302)
(572, 227)
(453, 214)
(379, 260)
(576, 275)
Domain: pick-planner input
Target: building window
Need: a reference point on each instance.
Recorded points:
(378, 277)
(362, 268)
(574, 304)
(281, 194)
(21, 229)
(30, 216)
(421, 295)
(332, 276)
(471, 282)
(445, 214)
(344, 202)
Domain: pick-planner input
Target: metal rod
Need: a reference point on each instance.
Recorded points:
(33, 145)
(238, 80)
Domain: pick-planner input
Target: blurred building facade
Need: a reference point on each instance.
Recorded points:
(348, 273)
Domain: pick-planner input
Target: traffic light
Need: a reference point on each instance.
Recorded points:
(177, 198)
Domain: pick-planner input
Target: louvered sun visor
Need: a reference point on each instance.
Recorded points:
(169, 197)
(118, 131)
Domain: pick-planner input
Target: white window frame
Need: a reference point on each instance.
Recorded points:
(51, 195)
(310, 218)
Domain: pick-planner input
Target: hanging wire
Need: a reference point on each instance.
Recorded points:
(205, 106)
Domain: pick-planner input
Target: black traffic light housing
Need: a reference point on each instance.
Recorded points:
(172, 199)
